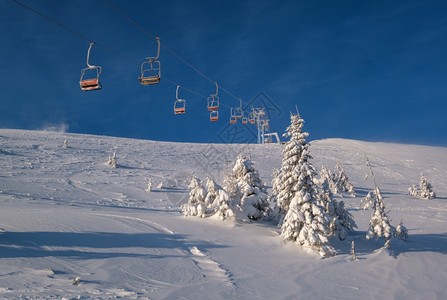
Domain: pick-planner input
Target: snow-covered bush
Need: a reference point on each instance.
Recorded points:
(65, 144)
(413, 191)
(353, 254)
(196, 202)
(112, 160)
(212, 191)
(223, 206)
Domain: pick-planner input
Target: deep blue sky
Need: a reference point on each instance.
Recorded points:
(368, 70)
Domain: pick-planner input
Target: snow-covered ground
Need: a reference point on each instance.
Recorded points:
(64, 213)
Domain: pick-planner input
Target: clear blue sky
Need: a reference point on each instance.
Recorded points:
(368, 70)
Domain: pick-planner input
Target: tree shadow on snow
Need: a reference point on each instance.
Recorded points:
(415, 243)
(92, 245)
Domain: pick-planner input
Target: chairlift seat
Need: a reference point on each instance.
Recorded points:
(179, 110)
(90, 84)
(149, 80)
(232, 120)
(214, 116)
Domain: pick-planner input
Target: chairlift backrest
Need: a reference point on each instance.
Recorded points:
(232, 120)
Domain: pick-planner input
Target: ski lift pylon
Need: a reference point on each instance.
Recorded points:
(91, 83)
(150, 69)
(213, 100)
(179, 104)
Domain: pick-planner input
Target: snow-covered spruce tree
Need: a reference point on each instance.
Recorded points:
(196, 202)
(342, 221)
(250, 195)
(326, 174)
(306, 221)
(413, 191)
(212, 191)
(291, 159)
(112, 160)
(223, 205)
(342, 181)
(379, 224)
(353, 254)
(426, 189)
(274, 208)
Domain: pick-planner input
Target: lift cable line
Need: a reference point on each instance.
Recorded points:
(99, 45)
(167, 48)
(109, 50)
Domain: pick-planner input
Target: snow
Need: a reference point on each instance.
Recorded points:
(64, 214)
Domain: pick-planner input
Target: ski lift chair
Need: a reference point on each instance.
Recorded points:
(214, 116)
(213, 100)
(232, 120)
(90, 84)
(179, 104)
(150, 69)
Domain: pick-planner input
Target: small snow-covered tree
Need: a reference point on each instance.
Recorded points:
(413, 190)
(379, 224)
(212, 191)
(223, 206)
(342, 221)
(196, 202)
(112, 160)
(353, 254)
(401, 232)
(295, 151)
(342, 181)
(250, 193)
(426, 189)
(326, 174)
(160, 185)
(149, 185)
(65, 144)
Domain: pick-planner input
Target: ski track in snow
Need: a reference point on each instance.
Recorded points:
(65, 213)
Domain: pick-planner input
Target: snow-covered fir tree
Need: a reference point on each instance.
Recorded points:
(413, 191)
(342, 181)
(249, 193)
(112, 160)
(212, 191)
(274, 208)
(294, 152)
(379, 224)
(223, 205)
(401, 232)
(426, 189)
(326, 174)
(196, 202)
(306, 221)
(160, 186)
(342, 221)
(65, 144)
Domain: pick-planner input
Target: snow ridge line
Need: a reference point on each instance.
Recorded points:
(210, 268)
(155, 225)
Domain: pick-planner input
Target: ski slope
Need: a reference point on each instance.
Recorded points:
(64, 213)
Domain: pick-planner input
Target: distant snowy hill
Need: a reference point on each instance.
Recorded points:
(64, 213)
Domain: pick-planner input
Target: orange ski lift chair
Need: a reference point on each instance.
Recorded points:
(244, 120)
(150, 69)
(232, 120)
(237, 112)
(251, 118)
(214, 116)
(213, 100)
(90, 84)
(179, 104)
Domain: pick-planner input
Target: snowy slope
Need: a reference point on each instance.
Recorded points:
(64, 214)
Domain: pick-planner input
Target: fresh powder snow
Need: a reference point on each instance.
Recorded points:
(73, 227)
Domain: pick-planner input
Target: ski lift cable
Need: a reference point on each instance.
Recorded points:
(100, 45)
(167, 48)
(97, 44)
(74, 32)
